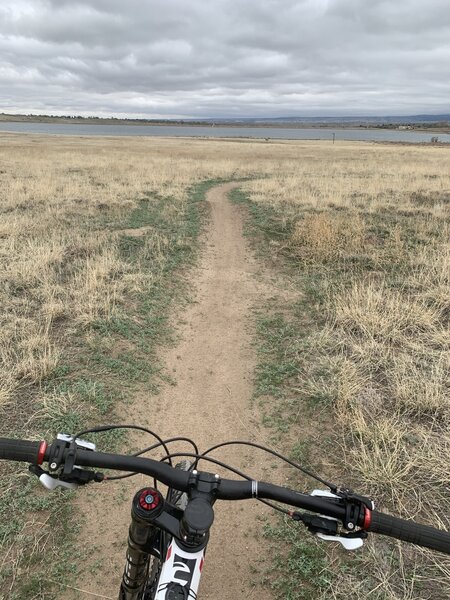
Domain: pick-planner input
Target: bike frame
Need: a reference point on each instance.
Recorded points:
(182, 568)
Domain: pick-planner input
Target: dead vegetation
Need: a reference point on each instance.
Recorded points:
(370, 223)
(70, 218)
(62, 203)
(370, 226)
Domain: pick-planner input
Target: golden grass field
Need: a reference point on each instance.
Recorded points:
(372, 219)
(374, 223)
(381, 216)
(60, 201)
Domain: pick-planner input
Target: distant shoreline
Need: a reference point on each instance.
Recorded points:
(337, 125)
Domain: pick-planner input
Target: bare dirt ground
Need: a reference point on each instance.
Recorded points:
(212, 367)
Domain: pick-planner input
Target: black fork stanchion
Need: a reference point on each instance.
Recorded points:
(142, 540)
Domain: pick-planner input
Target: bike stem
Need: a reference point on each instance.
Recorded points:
(152, 516)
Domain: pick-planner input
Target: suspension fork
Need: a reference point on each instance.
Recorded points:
(181, 570)
(144, 540)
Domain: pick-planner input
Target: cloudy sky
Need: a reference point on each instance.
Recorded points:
(225, 58)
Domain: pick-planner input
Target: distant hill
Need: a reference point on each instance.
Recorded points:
(378, 120)
(413, 121)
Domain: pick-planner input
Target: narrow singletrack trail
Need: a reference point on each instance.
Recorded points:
(212, 367)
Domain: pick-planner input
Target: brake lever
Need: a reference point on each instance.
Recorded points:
(326, 528)
(66, 474)
(349, 543)
(51, 482)
(76, 478)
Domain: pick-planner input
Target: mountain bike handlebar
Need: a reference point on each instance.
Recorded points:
(335, 508)
(20, 450)
(39, 452)
(409, 531)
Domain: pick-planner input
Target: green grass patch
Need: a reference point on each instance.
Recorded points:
(300, 567)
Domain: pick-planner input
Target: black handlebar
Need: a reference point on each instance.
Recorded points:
(408, 531)
(373, 521)
(20, 450)
(228, 489)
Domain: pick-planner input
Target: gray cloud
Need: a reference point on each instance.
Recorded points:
(225, 57)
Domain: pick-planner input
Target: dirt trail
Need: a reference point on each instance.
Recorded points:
(213, 367)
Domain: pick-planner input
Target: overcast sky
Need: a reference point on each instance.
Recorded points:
(225, 58)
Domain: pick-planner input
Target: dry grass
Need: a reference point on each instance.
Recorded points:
(60, 199)
(65, 207)
(371, 226)
(322, 237)
(372, 220)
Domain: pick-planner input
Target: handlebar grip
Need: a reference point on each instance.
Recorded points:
(20, 450)
(408, 531)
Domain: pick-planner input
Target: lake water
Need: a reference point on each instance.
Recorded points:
(381, 135)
